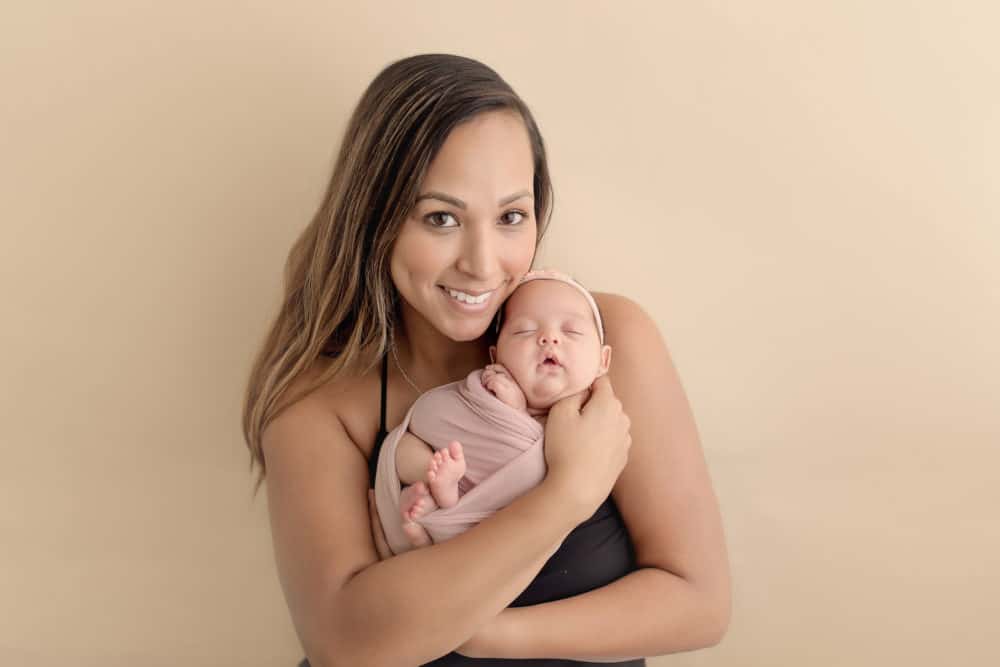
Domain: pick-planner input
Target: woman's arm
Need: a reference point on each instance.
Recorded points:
(349, 608)
(679, 597)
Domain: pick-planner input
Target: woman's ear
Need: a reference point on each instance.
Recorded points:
(493, 354)
(605, 359)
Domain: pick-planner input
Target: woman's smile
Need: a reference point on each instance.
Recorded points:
(467, 303)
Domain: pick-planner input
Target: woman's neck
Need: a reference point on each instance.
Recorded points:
(432, 359)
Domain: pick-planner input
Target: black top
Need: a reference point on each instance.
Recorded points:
(595, 553)
(380, 436)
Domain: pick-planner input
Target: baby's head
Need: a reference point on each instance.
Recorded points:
(552, 338)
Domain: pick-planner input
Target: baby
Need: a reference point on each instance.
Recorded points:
(550, 346)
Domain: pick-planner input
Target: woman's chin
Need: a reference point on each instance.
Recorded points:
(462, 332)
(467, 328)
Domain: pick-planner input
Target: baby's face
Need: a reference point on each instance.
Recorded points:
(549, 342)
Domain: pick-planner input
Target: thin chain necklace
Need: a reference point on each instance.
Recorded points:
(392, 344)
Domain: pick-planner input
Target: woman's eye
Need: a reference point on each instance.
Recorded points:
(438, 219)
(522, 215)
(434, 217)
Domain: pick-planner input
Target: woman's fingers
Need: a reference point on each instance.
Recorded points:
(601, 390)
(381, 544)
(598, 394)
(571, 404)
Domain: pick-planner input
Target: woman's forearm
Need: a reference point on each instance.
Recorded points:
(419, 605)
(654, 613)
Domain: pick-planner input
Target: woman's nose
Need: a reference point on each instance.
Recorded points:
(479, 256)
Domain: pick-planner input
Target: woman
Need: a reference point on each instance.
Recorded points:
(439, 197)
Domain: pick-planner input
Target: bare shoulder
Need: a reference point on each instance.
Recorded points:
(641, 367)
(350, 401)
(625, 321)
(317, 481)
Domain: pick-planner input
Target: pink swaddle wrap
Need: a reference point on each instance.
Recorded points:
(503, 449)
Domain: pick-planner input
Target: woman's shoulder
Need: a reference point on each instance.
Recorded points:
(350, 400)
(623, 317)
(613, 301)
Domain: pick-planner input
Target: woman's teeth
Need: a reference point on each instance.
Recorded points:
(467, 298)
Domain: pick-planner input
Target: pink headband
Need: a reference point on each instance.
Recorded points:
(552, 274)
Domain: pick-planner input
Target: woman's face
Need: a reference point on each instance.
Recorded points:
(472, 233)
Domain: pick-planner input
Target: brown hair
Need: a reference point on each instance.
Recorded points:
(338, 297)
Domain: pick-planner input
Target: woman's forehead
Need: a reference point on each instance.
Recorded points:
(490, 152)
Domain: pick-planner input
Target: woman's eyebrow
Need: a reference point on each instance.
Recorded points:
(455, 201)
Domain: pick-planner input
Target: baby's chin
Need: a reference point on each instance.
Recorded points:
(546, 400)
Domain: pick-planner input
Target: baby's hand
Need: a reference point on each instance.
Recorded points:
(499, 382)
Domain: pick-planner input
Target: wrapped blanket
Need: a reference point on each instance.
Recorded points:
(503, 449)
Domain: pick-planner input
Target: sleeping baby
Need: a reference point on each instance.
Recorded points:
(468, 448)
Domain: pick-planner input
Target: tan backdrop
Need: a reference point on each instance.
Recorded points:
(804, 195)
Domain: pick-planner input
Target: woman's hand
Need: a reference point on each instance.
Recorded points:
(586, 445)
(381, 544)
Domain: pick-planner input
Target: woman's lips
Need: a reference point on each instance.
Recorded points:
(465, 306)
(479, 292)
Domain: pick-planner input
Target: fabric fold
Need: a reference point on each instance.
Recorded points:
(503, 449)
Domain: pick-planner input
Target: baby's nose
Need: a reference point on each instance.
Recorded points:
(543, 339)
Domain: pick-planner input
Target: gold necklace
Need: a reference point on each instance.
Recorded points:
(392, 344)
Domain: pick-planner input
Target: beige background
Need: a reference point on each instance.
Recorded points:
(804, 196)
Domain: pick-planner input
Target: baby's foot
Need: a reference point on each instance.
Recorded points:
(417, 535)
(415, 501)
(446, 468)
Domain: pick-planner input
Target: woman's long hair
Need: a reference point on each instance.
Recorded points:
(338, 298)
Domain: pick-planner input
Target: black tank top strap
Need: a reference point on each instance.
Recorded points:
(373, 459)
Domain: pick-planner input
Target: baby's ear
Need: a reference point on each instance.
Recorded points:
(605, 359)
(493, 354)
